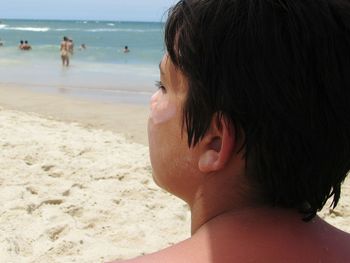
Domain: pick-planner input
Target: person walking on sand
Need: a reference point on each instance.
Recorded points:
(65, 51)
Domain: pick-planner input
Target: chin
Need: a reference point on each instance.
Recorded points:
(156, 180)
(159, 182)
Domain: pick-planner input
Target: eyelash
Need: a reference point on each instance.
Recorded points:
(160, 86)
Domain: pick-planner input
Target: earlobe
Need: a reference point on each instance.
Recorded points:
(207, 161)
(218, 147)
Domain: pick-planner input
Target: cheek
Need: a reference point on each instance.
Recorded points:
(162, 133)
(162, 110)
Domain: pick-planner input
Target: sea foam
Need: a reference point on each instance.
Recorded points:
(33, 29)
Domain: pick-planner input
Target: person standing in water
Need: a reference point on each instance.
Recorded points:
(71, 46)
(65, 51)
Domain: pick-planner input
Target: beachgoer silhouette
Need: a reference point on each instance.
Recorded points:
(65, 51)
(82, 47)
(21, 43)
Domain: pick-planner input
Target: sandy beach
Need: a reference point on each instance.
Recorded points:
(76, 183)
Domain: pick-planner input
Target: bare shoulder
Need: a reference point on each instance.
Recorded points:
(251, 240)
(190, 250)
(338, 244)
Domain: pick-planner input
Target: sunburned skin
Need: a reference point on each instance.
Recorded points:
(162, 110)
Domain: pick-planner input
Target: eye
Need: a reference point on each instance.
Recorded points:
(160, 86)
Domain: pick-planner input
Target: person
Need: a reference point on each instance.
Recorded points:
(21, 43)
(82, 47)
(26, 46)
(1, 43)
(126, 49)
(71, 46)
(65, 51)
(250, 126)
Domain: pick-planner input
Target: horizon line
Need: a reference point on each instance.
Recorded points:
(79, 19)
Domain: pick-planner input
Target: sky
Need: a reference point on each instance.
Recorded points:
(115, 10)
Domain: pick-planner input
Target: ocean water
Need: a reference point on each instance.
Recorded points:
(102, 71)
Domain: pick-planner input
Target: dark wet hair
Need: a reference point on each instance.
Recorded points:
(279, 71)
(21, 41)
(65, 38)
(26, 42)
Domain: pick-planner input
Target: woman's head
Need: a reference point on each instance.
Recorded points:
(279, 72)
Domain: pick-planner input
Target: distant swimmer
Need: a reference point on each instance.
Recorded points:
(65, 51)
(21, 43)
(82, 47)
(26, 46)
(1, 43)
(126, 49)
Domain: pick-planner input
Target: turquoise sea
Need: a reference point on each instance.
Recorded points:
(102, 71)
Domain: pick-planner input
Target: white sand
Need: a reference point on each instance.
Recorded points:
(340, 216)
(70, 192)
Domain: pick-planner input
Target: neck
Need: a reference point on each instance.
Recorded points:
(226, 191)
(207, 207)
(201, 219)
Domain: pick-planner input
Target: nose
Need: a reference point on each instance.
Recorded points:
(154, 98)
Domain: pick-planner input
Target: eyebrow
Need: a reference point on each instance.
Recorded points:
(160, 68)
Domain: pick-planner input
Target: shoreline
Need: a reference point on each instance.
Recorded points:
(123, 118)
(121, 83)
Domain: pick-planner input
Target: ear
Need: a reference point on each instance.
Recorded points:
(217, 146)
